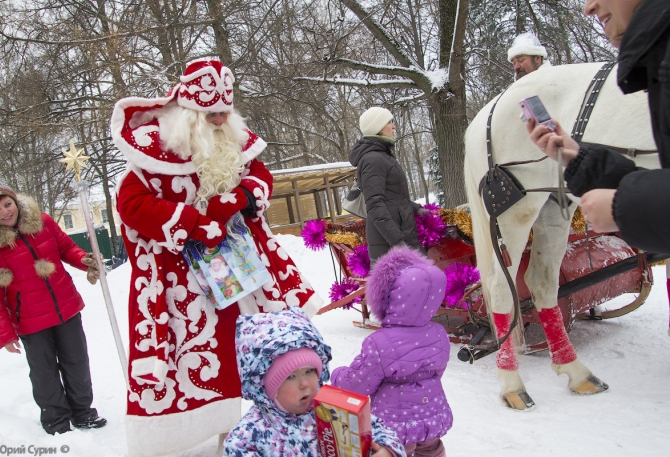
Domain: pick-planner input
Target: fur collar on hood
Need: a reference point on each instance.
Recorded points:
(405, 288)
(29, 221)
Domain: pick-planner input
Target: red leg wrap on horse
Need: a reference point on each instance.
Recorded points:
(506, 357)
(560, 346)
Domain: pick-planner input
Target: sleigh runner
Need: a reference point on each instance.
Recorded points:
(596, 268)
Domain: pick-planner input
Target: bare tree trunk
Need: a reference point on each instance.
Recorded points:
(520, 19)
(447, 108)
(163, 44)
(222, 40)
(417, 159)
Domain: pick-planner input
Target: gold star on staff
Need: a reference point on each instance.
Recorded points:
(75, 159)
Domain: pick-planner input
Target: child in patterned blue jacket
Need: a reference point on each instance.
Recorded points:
(283, 361)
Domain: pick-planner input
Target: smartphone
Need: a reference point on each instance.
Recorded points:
(532, 108)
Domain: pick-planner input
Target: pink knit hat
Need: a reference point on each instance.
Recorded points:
(286, 364)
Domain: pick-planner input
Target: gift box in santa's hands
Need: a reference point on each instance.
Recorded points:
(229, 271)
(343, 423)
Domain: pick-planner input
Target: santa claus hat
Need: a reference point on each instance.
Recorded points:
(206, 85)
(526, 44)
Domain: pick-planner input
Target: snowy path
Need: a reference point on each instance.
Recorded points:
(630, 353)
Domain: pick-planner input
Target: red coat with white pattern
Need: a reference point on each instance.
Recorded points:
(184, 385)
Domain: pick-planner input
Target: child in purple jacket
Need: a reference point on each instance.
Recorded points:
(400, 365)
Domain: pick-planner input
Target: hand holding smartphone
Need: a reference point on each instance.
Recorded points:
(532, 108)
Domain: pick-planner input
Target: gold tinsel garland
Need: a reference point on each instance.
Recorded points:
(350, 239)
(578, 222)
(353, 233)
(459, 218)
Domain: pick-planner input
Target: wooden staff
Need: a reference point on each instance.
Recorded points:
(75, 159)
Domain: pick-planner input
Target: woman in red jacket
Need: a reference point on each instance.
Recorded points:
(40, 305)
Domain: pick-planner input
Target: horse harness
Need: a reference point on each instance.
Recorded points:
(500, 190)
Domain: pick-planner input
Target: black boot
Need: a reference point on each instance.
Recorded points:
(94, 421)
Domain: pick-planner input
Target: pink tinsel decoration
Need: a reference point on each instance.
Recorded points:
(431, 207)
(430, 228)
(342, 289)
(314, 234)
(459, 277)
(359, 261)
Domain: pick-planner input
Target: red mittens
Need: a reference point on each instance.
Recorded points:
(208, 231)
(222, 207)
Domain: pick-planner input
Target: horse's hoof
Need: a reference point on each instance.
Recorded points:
(518, 401)
(591, 385)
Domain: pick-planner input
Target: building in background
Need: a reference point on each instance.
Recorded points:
(72, 218)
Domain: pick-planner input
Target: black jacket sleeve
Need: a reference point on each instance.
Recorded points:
(641, 210)
(596, 167)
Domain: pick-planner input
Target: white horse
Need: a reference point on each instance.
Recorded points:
(617, 120)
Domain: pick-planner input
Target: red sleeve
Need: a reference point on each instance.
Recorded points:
(69, 252)
(258, 181)
(7, 332)
(169, 223)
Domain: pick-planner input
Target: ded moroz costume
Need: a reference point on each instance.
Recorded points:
(183, 381)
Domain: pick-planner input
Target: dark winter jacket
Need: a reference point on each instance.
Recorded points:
(390, 219)
(641, 205)
(401, 365)
(265, 430)
(35, 290)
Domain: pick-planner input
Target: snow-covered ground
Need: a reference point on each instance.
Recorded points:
(630, 353)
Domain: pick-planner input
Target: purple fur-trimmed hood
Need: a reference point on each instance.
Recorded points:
(405, 288)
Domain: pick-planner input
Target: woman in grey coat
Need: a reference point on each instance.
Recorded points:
(390, 219)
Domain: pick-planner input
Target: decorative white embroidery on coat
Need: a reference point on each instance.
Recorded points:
(173, 241)
(213, 230)
(148, 400)
(290, 269)
(291, 296)
(228, 197)
(142, 137)
(180, 183)
(189, 336)
(191, 362)
(158, 187)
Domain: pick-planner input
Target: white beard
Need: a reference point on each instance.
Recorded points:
(215, 151)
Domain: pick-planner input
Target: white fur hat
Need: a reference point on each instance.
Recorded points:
(526, 44)
(374, 119)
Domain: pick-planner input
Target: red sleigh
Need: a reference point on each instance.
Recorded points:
(595, 269)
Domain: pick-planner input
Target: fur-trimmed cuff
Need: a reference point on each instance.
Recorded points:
(6, 277)
(260, 191)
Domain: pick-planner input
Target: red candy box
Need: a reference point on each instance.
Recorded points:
(343, 423)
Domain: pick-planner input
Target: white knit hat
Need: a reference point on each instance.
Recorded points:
(374, 119)
(526, 44)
